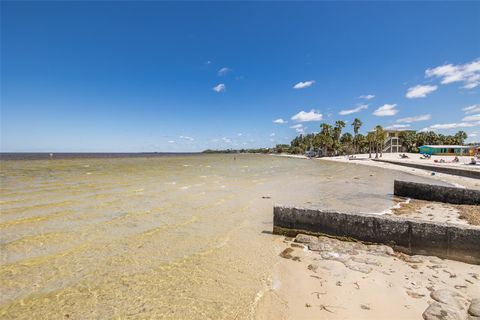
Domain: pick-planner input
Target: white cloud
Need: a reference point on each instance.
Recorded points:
(299, 128)
(367, 96)
(473, 117)
(304, 116)
(239, 134)
(279, 121)
(223, 71)
(472, 109)
(171, 141)
(227, 140)
(386, 110)
(272, 134)
(468, 74)
(422, 117)
(443, 126)
(454, 125)
(220, 87)
(398, 126)
(187, 138)
(359, 108)
(304, 84)
(420, 91)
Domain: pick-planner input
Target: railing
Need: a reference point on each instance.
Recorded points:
(388, 145)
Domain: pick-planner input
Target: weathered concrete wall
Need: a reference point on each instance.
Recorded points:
(448, 170)
(436, 193)
(410, 236)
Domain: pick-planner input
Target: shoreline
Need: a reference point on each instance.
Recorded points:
(362, 159)
(309, 285)
(457, 181)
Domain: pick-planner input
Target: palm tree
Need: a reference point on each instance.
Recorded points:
(337, 132)
(325, 137)
(346, 143)
(409, 140)
(371, 141)
(356, 124)
(460, 137)
(361, 143)
(346, 138)
(339, 125)
(325, 128)
(379, 140)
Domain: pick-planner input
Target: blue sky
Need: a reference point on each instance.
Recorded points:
(155, 76)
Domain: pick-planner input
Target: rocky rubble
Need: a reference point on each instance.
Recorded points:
(452, 305)
(345, 252)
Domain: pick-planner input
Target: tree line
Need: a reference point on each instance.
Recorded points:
(330, 141)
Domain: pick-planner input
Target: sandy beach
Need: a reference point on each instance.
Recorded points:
(330, 279)
(324, 278)
(363, 159)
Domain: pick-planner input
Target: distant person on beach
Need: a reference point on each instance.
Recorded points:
(473, 161)
(456, 159)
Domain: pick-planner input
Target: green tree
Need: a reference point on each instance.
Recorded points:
(380, 137)
(325, 129)
(409, 140)
(371, 142)
(282, 148)
(346, 138)
(337, 132)
(460, 137)
(356, 124)
(346, 142)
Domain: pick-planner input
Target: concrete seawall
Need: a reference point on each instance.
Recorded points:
(436, 193)
(448, 170)
(410, 236)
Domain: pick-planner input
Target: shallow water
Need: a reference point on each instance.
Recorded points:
(184, 237)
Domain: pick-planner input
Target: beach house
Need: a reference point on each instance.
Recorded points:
(393, 141)
(448, 150)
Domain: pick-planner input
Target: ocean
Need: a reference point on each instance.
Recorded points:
(158, 236)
